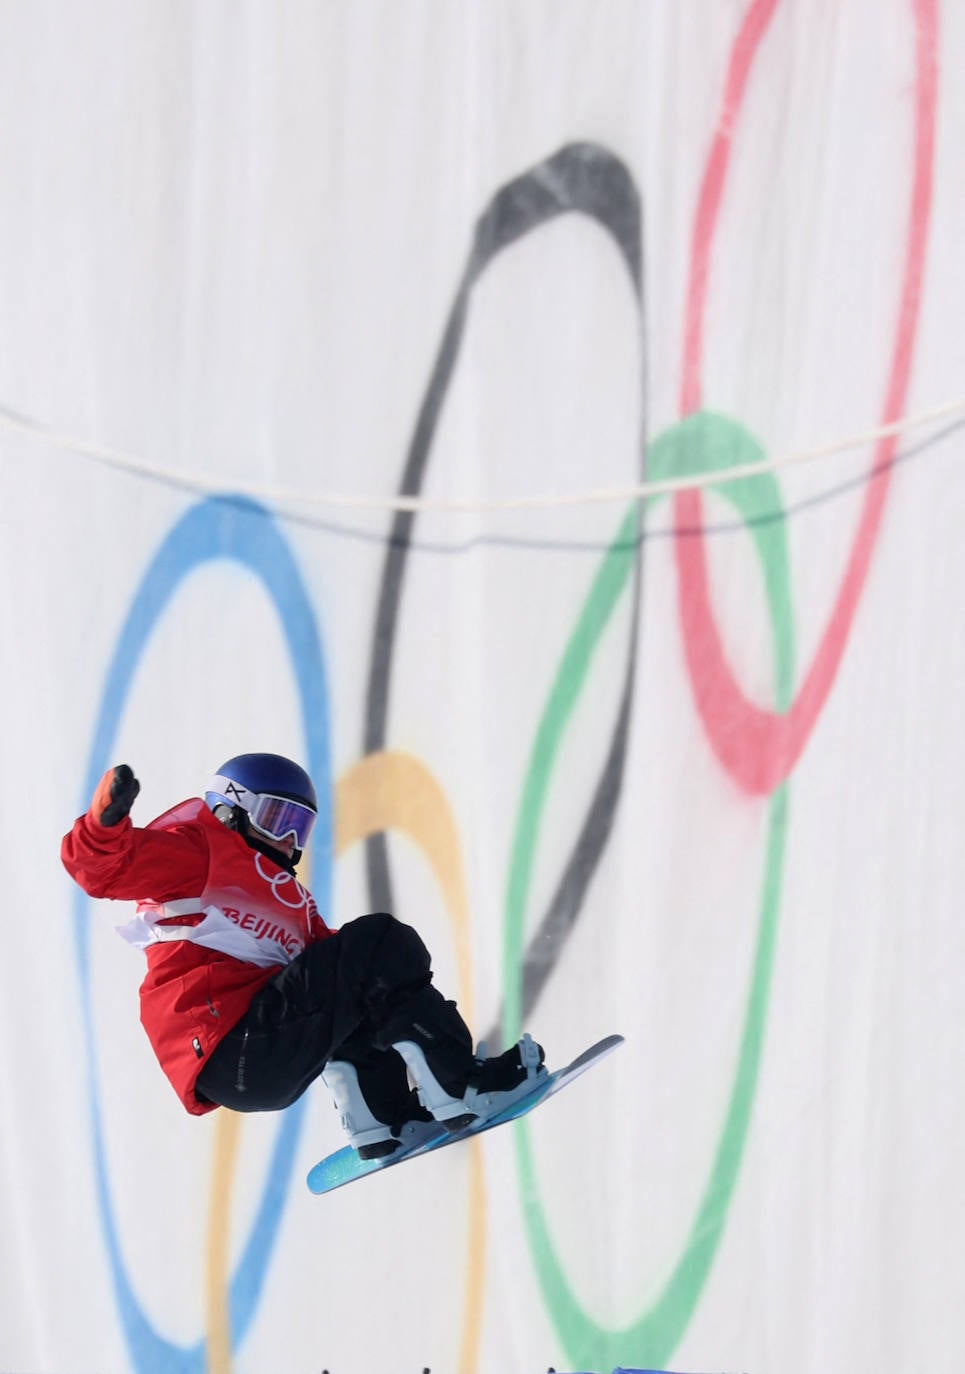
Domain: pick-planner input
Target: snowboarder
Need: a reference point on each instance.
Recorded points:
(249, 996)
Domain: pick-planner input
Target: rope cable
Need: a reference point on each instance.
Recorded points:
(208, 482)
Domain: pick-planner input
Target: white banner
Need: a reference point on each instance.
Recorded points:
(282, 284)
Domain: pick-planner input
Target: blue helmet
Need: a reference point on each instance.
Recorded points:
(276, 795)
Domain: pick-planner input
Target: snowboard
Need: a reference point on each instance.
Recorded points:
(345, 1166)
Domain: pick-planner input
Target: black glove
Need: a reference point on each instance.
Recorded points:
(115, 794)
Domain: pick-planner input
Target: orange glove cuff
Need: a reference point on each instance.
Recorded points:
(102, 797)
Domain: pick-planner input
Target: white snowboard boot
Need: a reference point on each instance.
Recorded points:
(493, 1083)
(372, 1138)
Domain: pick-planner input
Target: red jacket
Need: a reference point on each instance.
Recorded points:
(216, 919)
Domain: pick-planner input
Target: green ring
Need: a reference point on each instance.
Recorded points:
(700, 443)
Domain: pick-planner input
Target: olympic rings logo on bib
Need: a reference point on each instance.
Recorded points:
(279, 882)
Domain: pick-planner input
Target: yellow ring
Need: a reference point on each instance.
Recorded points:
(384, 791)
(394, 791)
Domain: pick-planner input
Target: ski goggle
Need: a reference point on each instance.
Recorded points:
(276, 817)
(279, 817)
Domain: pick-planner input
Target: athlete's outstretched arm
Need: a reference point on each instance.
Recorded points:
(109, 857)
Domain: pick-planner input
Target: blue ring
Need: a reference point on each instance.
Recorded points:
(242, 531)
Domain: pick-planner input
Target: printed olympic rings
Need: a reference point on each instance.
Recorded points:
(762, 753)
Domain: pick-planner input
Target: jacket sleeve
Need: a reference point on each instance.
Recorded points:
(127, 863)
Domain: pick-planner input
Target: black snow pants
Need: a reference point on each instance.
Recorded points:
(349, 997)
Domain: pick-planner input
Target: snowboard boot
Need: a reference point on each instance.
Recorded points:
(491, 1085)
(372, 1138)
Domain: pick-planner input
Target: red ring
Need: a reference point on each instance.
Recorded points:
(758, 747)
